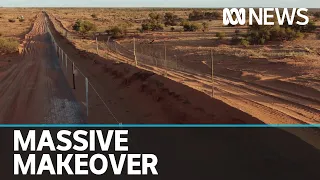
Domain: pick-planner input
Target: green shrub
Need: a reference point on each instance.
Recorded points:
(200, 15)
(170, 19)
(154, 24)
(21, 20)
(84, 26)
(118, 31)
(191, 26)
(8, 45)
(220, 35)
(244, 42)
(94, 16)
(262, 34)
(12, 20)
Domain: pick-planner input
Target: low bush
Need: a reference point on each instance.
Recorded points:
(118, 31)
(12, 20)
(154, 23)
(8, 45)
(187, 26)
(244, 42)
(94, 16)
(200, 15)
(152, 26)
(84, 26)
(220, 35)
(170, 19)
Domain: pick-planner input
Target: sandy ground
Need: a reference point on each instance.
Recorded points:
(268, 104)
(34, 90)
(272, 88)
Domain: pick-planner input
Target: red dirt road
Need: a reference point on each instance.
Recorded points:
(34, 90)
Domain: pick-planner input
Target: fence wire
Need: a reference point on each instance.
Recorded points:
(148, 54)
(84, 90)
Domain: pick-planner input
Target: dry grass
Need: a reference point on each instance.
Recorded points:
(16, 29)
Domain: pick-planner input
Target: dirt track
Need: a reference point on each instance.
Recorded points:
(34, 90)
(271, 104)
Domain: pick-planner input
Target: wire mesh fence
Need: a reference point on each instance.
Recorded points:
(151, 54)
(91, 102)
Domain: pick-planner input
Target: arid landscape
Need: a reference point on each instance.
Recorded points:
(277, 82)
(273, 82)
(164, 66)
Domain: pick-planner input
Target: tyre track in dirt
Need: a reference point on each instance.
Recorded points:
(35, 90)
(275, 105)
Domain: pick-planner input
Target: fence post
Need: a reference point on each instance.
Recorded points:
(212, 71)
(62, 55)
(134, 51)
(87, 95)
(165, 58)
(66, 58)
(73, 78)
(97, 45)
(176, 61)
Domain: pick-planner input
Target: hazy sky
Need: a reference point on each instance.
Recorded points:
(161, 3)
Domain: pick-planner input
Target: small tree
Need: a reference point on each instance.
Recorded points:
(84, 26)
(187, 26)
(170, 19)
(154, 24)
(118, 31)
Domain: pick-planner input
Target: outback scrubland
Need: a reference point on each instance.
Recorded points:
(15, 24)
(270, 72)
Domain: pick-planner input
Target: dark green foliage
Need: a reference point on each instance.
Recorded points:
(200, 15)
(262, 34)
(187, 26)
(170, 19)
(118, 31)
(220, 35)
(154, 24)
(84, 26)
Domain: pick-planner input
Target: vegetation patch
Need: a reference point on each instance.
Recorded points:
(84, 26)
(8, 45)
(201, 15)
(154, 24)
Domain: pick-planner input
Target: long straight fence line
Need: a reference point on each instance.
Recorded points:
(148, 54)
(64, 62)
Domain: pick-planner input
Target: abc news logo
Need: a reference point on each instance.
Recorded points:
(264, 16)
